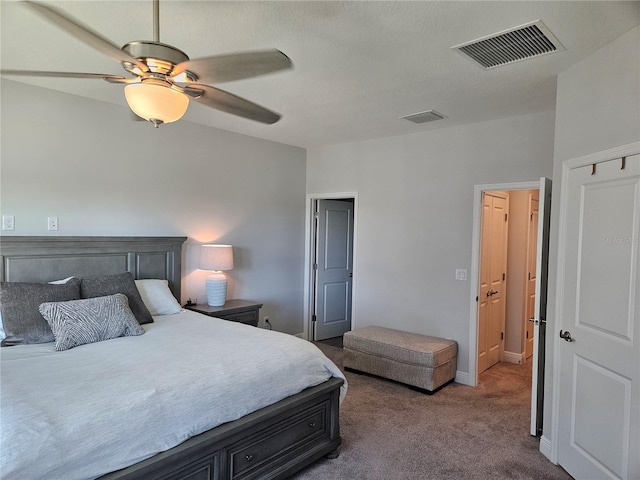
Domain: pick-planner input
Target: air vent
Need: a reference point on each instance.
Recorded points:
(513, 45)
(423, 117)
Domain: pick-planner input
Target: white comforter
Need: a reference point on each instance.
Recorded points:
(97, 408)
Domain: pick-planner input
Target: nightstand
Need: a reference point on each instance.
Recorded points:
(242, 311)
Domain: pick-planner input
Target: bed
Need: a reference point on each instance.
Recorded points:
(167, 419)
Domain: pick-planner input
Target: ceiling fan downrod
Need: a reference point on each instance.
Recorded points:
(156, 21)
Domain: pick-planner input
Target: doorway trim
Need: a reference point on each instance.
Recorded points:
(478, 191)
(308, 257)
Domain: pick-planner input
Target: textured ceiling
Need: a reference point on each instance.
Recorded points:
(358, 66)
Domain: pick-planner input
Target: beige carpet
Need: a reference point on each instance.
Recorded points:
(390, 431)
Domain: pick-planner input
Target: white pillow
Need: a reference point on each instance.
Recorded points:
(157, 297)
(61, 282)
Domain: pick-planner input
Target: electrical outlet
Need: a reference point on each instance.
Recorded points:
(52, 223)
(461, 274)
(8, 222)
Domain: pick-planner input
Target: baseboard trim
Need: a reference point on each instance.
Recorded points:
(545, 448)
(513, 357)
(463, 377)
(300, 335)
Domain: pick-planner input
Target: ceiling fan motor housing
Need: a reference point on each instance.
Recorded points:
(159, 57)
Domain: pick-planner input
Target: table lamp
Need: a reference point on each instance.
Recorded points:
(216, 258)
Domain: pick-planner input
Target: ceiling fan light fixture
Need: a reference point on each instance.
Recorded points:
(156, 102)
(152, 91)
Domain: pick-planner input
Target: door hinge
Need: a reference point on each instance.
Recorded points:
(531, 218)
(316, 215)
(315, 266)
(504, 277)
(506, 215)
(529, 275)
(527, 333)
(501, 335)
(476, 298)
(313, 318)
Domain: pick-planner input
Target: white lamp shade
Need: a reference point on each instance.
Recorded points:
(216, 257)
(158, 102)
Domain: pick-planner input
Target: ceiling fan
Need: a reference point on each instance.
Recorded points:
(163, 79)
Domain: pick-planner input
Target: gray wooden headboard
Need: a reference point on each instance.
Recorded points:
(43, 259)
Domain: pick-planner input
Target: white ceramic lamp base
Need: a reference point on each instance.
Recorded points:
(216, 287)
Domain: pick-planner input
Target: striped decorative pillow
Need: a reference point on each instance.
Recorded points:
(78, 322)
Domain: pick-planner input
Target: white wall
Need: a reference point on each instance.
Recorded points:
(597, 108)
(87, 163)
(415, 213)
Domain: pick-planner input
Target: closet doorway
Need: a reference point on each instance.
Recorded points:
(509, 273)
(506, 297)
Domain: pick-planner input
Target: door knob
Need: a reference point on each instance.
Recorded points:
(491, 293)
(566, 336)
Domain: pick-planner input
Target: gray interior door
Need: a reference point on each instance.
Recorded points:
(333, 268)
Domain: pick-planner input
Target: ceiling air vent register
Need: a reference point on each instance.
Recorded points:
(423, 117)
(513, 45)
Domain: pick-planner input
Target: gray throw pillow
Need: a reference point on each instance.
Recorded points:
(103, 285)
(19, 303)
(91, 320)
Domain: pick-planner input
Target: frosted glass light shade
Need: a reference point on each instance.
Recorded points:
(216, 258)
(158, 102)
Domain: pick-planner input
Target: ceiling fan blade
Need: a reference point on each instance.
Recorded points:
(85, 34)
(227, 102)
(35, 73)
(225, 68)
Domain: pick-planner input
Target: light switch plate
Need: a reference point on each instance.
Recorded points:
(8, 222)
(461, 274)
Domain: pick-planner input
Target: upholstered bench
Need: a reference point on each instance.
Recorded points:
(418, 360)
